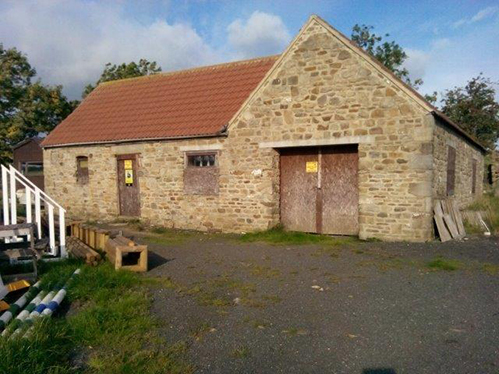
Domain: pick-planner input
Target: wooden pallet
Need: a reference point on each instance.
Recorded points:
(120, 249)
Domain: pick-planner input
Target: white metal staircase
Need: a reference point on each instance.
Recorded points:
(37, 202)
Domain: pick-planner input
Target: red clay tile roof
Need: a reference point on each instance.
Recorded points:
(189, 103)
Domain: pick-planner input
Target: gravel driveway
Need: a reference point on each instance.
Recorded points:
(355, 308)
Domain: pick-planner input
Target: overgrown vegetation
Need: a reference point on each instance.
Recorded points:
(446, 264)
(279, 236)
(111, 331)
(488, 203)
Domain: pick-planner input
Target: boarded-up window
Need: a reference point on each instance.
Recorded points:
(473, 176)
(82, 170)
(201, 174)
(451, 170)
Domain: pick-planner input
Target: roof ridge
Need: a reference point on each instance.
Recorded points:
(193, 69)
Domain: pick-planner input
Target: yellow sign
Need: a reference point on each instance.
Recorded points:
(312, 166)
(128, 176)
(128, 164)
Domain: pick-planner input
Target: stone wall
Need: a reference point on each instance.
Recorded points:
(321, 93)
(324, 93)
(465, 154)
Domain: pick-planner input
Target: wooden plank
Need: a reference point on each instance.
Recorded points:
(438, 216)
(124, 241)
(459, 218)
(451, 226)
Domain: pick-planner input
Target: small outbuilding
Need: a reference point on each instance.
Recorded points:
(28, 159)
(320, 139)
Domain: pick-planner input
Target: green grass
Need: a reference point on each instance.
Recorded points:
(278, 236)
(111, 329)
(445, 264)
(163, 236)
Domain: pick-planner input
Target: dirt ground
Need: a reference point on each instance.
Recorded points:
(352, 308)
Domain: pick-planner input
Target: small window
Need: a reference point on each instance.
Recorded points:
(451, 171)
(82, 169)
(201, 160)
(32, 169)
(201, 174)
(473, 176)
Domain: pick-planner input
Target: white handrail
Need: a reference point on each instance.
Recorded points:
(33, 186)
(10, 178)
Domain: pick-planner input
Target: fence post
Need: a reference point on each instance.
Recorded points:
(13, 199)
(51, 229)
(38, 215)
(5, 196)
(62, 233)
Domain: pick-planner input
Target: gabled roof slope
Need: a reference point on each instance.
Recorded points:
(188, 103)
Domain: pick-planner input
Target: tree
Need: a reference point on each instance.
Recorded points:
(475, 109)
(122, 71)
(389, 54)
(26, 108)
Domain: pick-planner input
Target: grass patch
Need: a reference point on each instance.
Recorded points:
(164, 236)
(241, 352)
(491, 269)
(112, 330)
(264, 271)
(278, 236)
(441, 263)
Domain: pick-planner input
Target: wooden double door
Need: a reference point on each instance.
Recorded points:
(319, 189)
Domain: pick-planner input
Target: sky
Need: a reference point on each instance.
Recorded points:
(69, 41)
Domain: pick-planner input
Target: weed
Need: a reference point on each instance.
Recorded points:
(272, 298)
(241, 352)
(491, 269)
(293, 331)
(488, 203)
(201, 330)
(441, 263)
(264, 271)
(257, 324)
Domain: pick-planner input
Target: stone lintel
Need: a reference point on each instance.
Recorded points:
(204, 147)
(318, 142)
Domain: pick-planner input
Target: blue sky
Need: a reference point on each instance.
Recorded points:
(69, 41)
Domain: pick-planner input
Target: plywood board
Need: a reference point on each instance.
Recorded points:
(442, 229)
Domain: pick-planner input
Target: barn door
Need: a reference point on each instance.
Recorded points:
(128, 186)
(298, 189)
(340, 193)
(319, 189)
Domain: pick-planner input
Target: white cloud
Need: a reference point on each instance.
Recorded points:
(479, 16)
(455, 60)
(68, 42)
(416, 63)
(261, 34)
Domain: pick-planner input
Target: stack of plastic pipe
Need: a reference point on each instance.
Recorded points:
(47, 306)
(42, 306)
(24, 314)
(18, 305)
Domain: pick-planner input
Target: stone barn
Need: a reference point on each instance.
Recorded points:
(320, 139)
